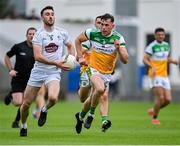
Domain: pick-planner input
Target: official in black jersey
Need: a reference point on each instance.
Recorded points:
(23, 65)
(20, 73)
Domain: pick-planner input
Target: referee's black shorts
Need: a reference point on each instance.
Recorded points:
(18, 84)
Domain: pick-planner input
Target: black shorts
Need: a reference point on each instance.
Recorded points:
(18, 85)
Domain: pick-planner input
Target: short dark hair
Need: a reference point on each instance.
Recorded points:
(98, 17)
(159, 29)
(30, 28)
(107, 16)
(45, 8)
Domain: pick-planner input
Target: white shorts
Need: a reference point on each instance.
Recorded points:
(105, 77)
(84, 80)
(160, 81)
(38, 77)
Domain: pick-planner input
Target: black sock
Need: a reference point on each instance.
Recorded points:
(18, 115)
(155, 117)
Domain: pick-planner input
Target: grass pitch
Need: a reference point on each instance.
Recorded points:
(130, 126)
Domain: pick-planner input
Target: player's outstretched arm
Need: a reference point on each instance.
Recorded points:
(173, 61)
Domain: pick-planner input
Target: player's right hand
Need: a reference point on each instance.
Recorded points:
(117, 43)
(61, 64)
(13, 73)
(82, 61)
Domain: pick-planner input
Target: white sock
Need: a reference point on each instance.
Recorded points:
(44, 109)
(92, 115)
(24, 125)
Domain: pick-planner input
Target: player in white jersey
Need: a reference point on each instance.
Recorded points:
(48, 45)
(106, 45)
(157, 57)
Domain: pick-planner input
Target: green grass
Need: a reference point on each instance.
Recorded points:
(130, 125)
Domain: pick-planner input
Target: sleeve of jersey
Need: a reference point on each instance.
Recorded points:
(169, 48)
(12, 52)
(66, 37)
(148, 50)
(87, 33)
(86, 45)
(123, 43)
(37, 39)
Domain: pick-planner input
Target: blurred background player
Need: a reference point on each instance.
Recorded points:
(20, 73)
(157, 57)
(104, 51)
(48, 43)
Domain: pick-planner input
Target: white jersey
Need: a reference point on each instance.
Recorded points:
(52, 44)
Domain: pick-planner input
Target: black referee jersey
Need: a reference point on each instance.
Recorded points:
(24, 59)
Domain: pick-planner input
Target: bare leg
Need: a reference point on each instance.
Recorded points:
(17, 99)
(83, 93)
(29, 94)
(158, 91)
(104, 104)
(40, 101)
(99, 88)
(53, 92)
(167, 98)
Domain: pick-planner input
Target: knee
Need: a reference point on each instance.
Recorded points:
(82, 100)
(100, 91)
(17, 102)
(82, 96)
(25, 105)
(53, 100)
(167, 101)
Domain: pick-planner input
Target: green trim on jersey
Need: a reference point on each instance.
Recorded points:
(85, 46)
(123, 44)
(96, 36)
(160, 47)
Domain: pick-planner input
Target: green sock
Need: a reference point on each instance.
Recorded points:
(104, 118)
(92, 110)
(83, 114)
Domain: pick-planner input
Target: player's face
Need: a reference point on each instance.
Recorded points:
(98, 23)
(160, 36)
(30, 35)
(48, 17)
(106, 27)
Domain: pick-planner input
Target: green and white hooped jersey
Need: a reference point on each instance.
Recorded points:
(86, 46)
(103, 51)
(159, 53)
